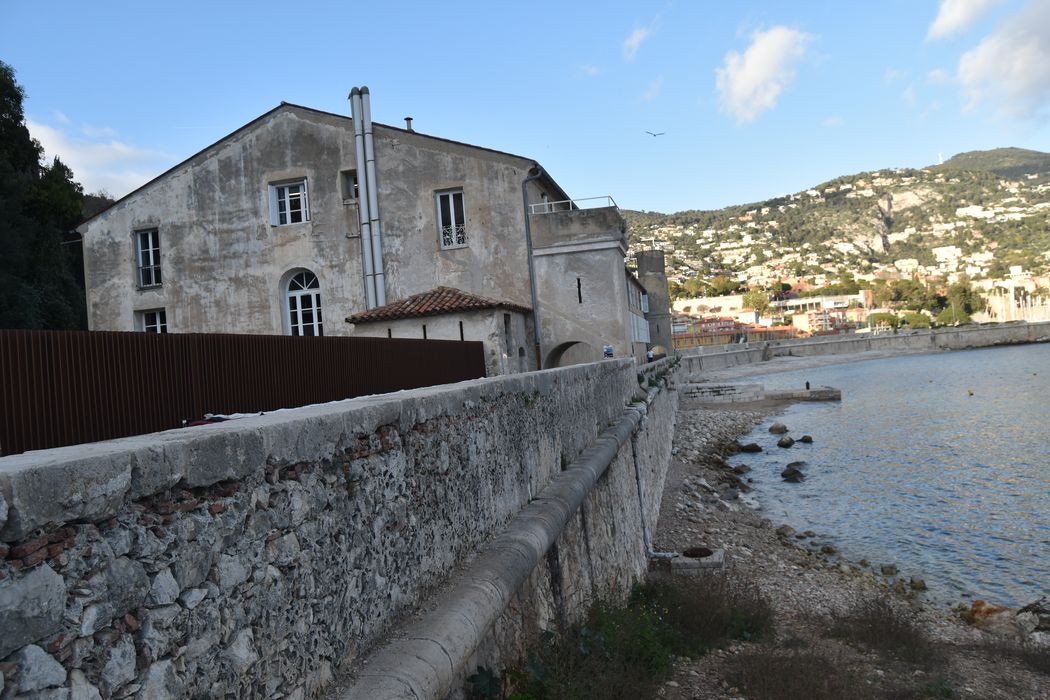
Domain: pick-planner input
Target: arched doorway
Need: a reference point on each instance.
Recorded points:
(573, 352)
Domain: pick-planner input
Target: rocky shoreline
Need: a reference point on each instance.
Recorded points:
(707, 503)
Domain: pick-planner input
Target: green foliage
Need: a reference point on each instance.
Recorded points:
(722, 285)
(914, 319)
(623, 651)
(1008, 162)
(952, 317)
(757, 299)
(40, 278)
(884, 319)
(485, 684)
(809, 224)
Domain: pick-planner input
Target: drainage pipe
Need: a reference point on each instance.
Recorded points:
(647, 538)
(428, 657)
(362, 197)
(535, 173)
(379, 279)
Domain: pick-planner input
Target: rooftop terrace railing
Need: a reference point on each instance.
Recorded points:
(572, 205)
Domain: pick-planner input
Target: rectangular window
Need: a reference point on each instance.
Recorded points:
(148, 245)
(349, 184)
(289, 203)
(451, 221)
(152, 321)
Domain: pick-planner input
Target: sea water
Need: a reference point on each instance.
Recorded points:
(937, 463)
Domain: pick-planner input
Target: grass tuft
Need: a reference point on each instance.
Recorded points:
(766, 674)
(884, 627)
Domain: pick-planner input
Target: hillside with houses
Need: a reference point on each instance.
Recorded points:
(912, 239)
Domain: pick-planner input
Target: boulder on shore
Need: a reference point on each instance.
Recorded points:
(806, 439)
(792, 475)
(751, 447)
(785, 442)
(778, 428)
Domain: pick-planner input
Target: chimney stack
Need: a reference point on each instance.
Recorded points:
(408, 123)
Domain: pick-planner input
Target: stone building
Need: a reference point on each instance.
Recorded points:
(301, 221)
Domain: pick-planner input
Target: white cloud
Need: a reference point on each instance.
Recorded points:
(909, 95)
(938, 76)
(892, 75)
(100, 161)
(956, 15)
(652, 90)
(750, 83)
(1011, 67)
(833, 122)
(634, 42)
(589, 71)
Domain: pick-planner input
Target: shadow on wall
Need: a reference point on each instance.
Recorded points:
(573, 352)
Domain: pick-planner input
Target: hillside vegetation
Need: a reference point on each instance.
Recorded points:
(977, 214)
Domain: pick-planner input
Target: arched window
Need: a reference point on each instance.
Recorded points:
(303, 304)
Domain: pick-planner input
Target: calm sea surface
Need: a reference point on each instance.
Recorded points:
(937, 463)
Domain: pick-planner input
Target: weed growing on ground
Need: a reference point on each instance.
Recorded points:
(615, 653)
(766, 674)
(624, 651)
(882, 626)
(702, 613)
(1034, 657)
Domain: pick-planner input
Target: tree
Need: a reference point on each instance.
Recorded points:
(39, 203)
(952, 317)
(722, 285)
(757, 299)
(914, 319)
(963, 297)
(883, 319)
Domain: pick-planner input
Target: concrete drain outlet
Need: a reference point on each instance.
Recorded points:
(694, 560)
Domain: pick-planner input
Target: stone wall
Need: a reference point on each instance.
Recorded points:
(695, 361)
(257, 557)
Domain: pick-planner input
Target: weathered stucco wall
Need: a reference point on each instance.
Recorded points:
(487, 326)
(256, 557)
(601, 316)
(223, 262)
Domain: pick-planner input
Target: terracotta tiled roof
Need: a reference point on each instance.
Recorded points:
(442, 300)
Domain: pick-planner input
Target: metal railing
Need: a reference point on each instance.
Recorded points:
(572, 205)
(70, 387)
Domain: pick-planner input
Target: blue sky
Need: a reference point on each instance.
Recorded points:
(755, 99)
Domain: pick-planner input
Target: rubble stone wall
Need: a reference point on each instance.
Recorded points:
(255, 558)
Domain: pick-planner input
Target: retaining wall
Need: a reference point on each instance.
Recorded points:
(694, 362)
(256, 558)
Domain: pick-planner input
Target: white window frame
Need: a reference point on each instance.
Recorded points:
(302, 292)
(453, 232)
(281, 194)
(147, 253)
(151, 321)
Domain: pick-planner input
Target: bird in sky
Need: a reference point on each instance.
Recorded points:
(656, 134)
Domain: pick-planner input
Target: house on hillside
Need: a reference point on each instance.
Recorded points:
(305, 222)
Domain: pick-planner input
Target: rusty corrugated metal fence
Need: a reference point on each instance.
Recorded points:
(70, 387)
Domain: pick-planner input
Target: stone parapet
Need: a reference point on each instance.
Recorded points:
(258, 557)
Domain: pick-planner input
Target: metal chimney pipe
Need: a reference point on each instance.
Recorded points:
(408, 123)
(362, 197)
(373, 199)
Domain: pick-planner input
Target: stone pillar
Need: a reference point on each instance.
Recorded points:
(653, 276)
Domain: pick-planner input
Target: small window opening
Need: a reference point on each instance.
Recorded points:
(461, 330)
(579, 290)
(424, 331)
(350, 190)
